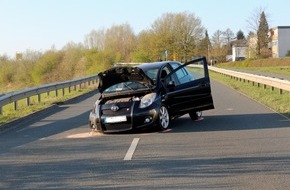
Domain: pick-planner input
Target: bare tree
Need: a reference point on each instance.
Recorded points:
(95, 39)
(228, 35)
(254, 19)
(219, 48)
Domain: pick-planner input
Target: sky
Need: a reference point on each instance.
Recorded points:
(39, 25)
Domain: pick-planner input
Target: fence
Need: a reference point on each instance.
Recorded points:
(14, 97)
(260, 80)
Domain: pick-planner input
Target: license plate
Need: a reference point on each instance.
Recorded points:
(115, 119)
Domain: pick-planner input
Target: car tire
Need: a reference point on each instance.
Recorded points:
(195, 115)
(164, 118)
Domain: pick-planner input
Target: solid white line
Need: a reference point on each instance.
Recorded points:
(132, 148)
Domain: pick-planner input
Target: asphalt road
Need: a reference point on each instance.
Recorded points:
(239, 145)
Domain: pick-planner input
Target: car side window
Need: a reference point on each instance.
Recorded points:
(189, 72)
(153, 73)
(165, 71)
(196, 70)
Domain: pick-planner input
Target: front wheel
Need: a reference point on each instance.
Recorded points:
(164, 119)
(195, 115)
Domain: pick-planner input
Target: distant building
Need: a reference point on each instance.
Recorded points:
(239, 49)
(280, 41)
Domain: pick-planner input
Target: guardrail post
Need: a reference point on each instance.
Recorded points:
(15, 105)
(280, 91)
(63, 92)
(1, 112)
(56, 93)
(28, 101)
(39, 97)
(265, 86)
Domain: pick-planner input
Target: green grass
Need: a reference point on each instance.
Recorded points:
(9, 114)
(271, 65)
(273, 99)
(277, 70)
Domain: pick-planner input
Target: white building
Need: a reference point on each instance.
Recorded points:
(239, 49)
(280, 41)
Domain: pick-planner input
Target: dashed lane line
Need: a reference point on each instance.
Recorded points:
(132, 149)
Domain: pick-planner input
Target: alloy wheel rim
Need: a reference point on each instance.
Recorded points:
(164, 117)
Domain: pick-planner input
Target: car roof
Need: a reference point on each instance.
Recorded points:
(154, 65)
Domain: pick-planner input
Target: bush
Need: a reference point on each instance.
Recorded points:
(43, 71)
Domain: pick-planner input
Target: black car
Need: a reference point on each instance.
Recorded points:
(150, 95)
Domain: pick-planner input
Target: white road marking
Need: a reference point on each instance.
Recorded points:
(131, 149)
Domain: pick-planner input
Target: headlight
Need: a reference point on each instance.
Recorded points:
(147, 100)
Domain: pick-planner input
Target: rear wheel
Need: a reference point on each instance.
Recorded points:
(195, 115)
(164, 119)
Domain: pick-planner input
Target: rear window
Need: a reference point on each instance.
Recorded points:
(152, 73)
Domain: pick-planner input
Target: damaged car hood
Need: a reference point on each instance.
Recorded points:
(122, 74)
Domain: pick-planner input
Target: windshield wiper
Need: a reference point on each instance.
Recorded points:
(128, 86)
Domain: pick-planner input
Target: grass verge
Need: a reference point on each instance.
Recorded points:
(271, 98)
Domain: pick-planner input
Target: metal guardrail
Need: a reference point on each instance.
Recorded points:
(29, 92)
(260, 80)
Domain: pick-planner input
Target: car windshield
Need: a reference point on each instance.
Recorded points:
(126, 86)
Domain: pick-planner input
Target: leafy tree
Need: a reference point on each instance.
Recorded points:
(43, 71)
(120, 41)
(178, 33)
(23, 72)
(144, 51)
(71, 55)
(262, 35)
(240, 35)
(205, 46)
(7, 72)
